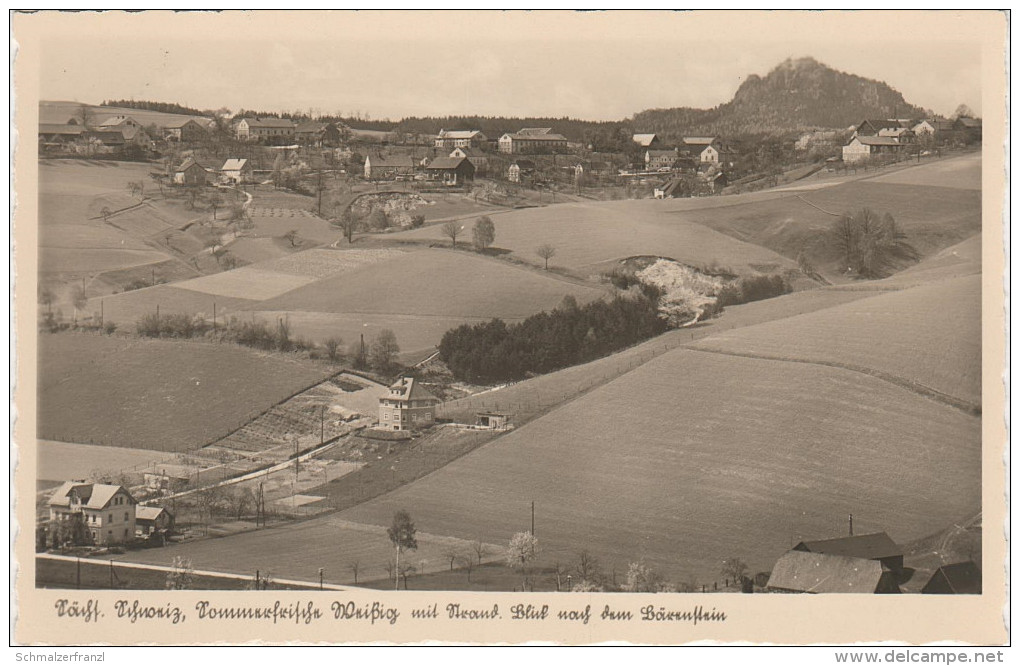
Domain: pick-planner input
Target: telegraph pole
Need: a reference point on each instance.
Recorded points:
(532, 518)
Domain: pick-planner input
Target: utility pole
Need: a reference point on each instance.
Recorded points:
(79, 573)
(851, 524)
(214, 315)
(320, 578)
(533, 518)
(322, 425)
(111, 574)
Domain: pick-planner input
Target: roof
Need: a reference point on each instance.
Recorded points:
(644, 140)
(882, 123)
(408, 388)
(446, 163)
(458, 134)
(234, 164)
(819, 573)
(467, 151)
(523, 164)
(536, 136)
(148, 512)
(970, 122)
(699, 140)
(50, 128)
(180, 122)
(868, 546)
(878, 140)
(378, 161)
(270, 122)
(187, 164)
(109, 137)
(535, 131)
(92, 495)
(661, 153)
(113, 121)
(958, 578)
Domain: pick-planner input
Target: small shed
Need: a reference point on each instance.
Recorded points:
(153, 520)
(958, 578)
(877, 546)
(452, 171)
(493, 420)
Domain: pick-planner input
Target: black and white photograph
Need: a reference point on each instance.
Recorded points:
(389, 303)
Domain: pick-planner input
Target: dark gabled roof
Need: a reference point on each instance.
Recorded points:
(661, 153)
(868, 546)
(958, 578)
(524, 164)
(446, 163)
(108, 137)
(180, 122)
(521, 136)
(270, 122)
(878, 140)
(408, 388)
(187, 164)
(819, 573)
(91, 495)
(50, 128)
(970, 122)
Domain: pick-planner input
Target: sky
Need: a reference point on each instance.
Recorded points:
(597, 66)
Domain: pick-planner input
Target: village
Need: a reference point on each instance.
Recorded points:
(262, 207)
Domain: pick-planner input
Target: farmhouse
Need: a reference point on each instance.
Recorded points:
(647, 140)
(872, 127)
(184, 129)
(407, 406)
(707, 149)
(452, 171)
(152, 520)
(107, 511)
(378, 167)
(118, 122)
(520, 171)
(319, 134)
(477, 157)
(971, 127)
(447, 139)
(958, 578)
(57, 136)
(657, 160)
(865, 147)
(236, 170)
(820, 573)
(261, 129)
(532, 140)
(877, 546)
(190, 173)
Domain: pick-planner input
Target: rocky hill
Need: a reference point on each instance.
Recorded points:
(798, 94)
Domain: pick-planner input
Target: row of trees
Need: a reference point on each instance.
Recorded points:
(570, 334)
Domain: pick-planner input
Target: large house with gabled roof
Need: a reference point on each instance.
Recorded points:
(449, 139)
(107, 511)
(407, 405)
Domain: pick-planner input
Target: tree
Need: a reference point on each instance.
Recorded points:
(520, 552)
(348, 223)
(242, 500)
(642, 578)
(377, 219)
(46, 298)
(106, 213)
(453, 555)
(417, 221)
(870, 245)
(215, 202)
(451, 230)
(481, 550)
(467, 563)
(355, 566)
(292, 237)
(84, 116)
(333, 347)
(546, 252)
(79, 297)
(384, 350)
(963, 111)
(587, 568)
(181, 575)
(484, 232)
(733, 567)
(402, 535)
(404, 571)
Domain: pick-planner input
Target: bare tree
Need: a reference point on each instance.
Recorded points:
(106, 213)
(467, 562)
(546, 252)
(215, 201)
(484, 232)
(292, 237)
(384, 350)
(348, 223)
(451, 554)
(481, 550)
(333, 347)
(587, 568)
(46, 297)
(355, 566)
(451, 230)
(733, 567)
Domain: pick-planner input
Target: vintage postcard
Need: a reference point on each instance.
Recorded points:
(495, 327)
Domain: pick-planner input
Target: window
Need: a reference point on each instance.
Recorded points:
(126, 516)
(111, 517)
(125, 532)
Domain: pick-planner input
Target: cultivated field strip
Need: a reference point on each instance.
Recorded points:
(657, 464)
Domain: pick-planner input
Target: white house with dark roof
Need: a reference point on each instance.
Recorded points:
(236, 170)
(532, 140)
(646, 140)
(108, 511)
(254, 129)
(863, 147)
(407, 405)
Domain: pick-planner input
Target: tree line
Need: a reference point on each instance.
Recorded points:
(495, 351)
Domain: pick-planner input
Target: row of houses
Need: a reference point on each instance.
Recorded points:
(877, 138)
(529, 140)
(273, 130)
(192, 174)
(117, 132)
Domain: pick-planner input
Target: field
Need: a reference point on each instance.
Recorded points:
(587, 235)
(929, 335)
(933, 217)
(126, 308)
(742, 458)
(435, 283)
(156, 394)
(297, 551)
(60, 461)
